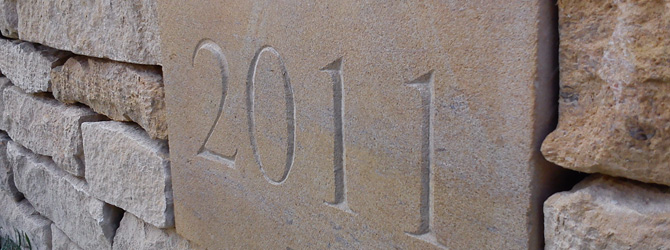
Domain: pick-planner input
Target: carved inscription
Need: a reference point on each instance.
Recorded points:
(204, 150)
(290, 115)
(339, 151)
(425, 85)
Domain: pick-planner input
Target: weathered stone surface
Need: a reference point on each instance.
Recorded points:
(8, 19)
(121, 91)
(4, 83)
(60, 241)
(6, 174)
(615, 89)
(64, 199)
(47, 127)
(405, 116)
(133, 233)
(119, 30)
(126, 168)
(608, 213)
(22, 216)
(28, 65)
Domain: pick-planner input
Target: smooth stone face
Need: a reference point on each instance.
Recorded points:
(342, 124)
(126, 168)
(615, 89)
(133, 233)
(608, 213)
(60, 241)
(64, 199)
(22, 216)
(124, 31)
(120, 91)
(6, 174)
(47, 127)
(28, 65)
(9, 19)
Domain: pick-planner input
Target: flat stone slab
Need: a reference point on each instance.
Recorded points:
(64, 199)
(29, 65)
(126, 168)
(60, 241)
(608, 213)
(47, 127)
(21, 216)
(133, 233)
(6, 174)
(120, 91)
(350, 125)
(124, 31)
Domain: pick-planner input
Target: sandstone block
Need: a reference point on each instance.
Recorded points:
(8, 19)
(126, 168)
(608, 213)
(119, 30)
(6, 174)
(28, 65)
(615, 89)
(64, 199)
(121, 91)
(60, 241)
(22, 216)
(133, 233)
(47, 127)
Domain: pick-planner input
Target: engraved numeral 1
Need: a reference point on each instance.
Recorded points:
(339, 151)
(204, 151)
(426, 87)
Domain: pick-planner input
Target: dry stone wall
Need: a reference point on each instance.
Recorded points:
(84, 161)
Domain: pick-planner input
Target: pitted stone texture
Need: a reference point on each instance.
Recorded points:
(119, 30)
(64, 199)
(29, 65)
(8, 19)
(126, 168)
(133, 233)
(6, 174)
(4, 83)
(608, 213)
(47, 127)
(60, 241)
(615, 89)
(22, 216)
(121, 91)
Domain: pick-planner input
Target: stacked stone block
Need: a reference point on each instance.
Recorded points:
(84, 161)
(614, 120)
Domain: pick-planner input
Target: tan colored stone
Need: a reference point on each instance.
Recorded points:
(6, 174)
(9, 19)
(60, 241)
(121, 91)
(608, 213)
(119, 30)
(47, 127)
(126, 168)
(21, 216)
(28, 65)
(409, 116)
(615, 89)
(133, 233)
(64, 199)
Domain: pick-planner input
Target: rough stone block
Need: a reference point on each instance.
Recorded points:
(133, 233)
(608, 213)
(60, 241)
(6, 174)
(129, 170)
(29, 65)
(47, 127)
(4, 83)
(119, 30)
(121, 91)
(9, 19)
(615, 89)
(22, 216)
(64, 199)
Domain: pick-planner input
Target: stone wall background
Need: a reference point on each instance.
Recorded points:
(84, 159)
